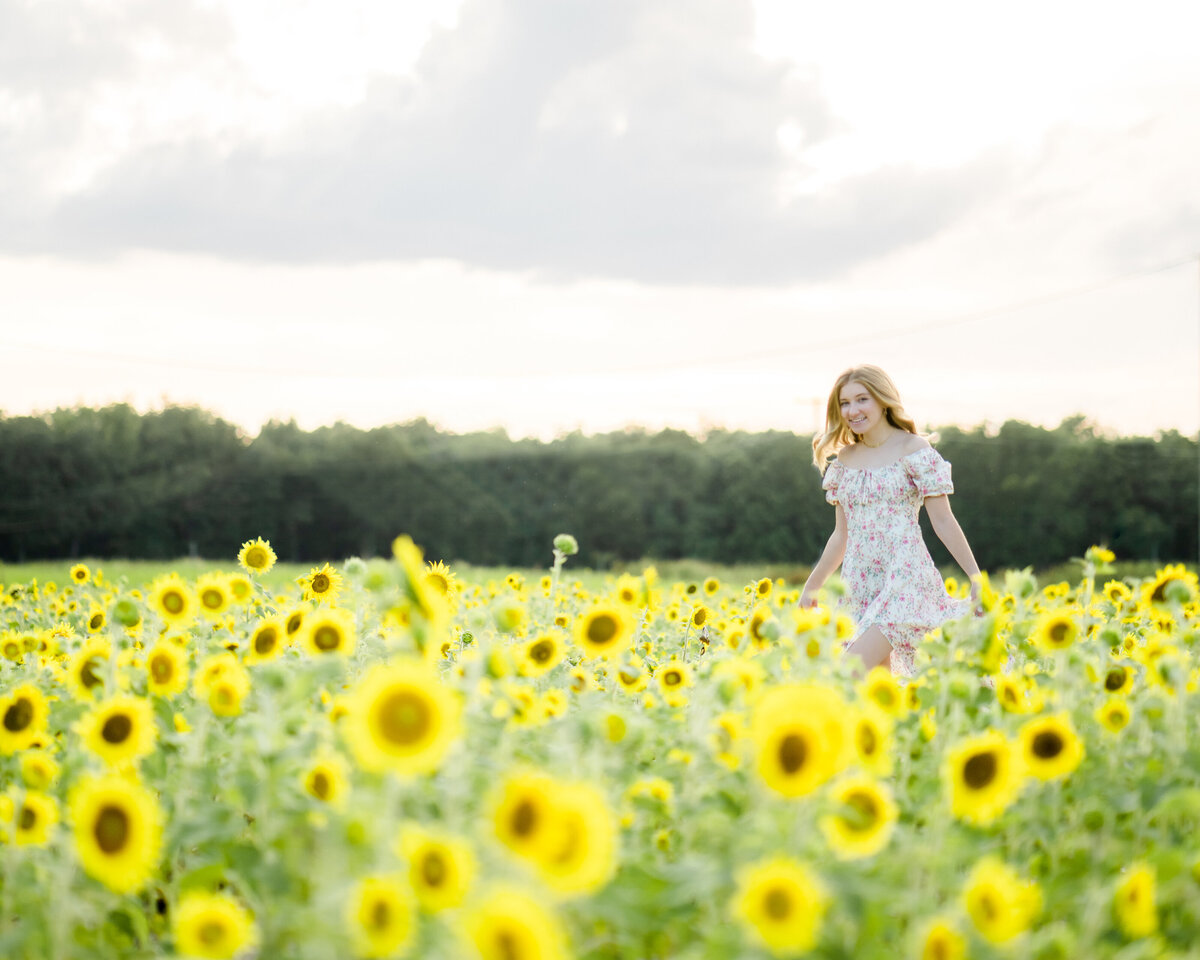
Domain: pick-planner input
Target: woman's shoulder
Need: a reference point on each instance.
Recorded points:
(914, 443)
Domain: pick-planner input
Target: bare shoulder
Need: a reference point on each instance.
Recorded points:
(913, 443)
(847, 455)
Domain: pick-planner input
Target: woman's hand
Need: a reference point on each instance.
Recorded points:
(977, 596)
(808, 599)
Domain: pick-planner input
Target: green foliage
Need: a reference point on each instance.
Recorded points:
(180, 482)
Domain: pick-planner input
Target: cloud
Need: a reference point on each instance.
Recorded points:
(634, 139)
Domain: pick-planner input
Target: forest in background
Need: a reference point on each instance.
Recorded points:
(112, 482)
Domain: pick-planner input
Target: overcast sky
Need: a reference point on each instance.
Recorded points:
(558, 214)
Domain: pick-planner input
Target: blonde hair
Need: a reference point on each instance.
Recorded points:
(837, 431)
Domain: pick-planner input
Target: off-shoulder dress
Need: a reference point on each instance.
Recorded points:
(892, 581)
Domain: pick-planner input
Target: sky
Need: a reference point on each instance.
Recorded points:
(550, 216)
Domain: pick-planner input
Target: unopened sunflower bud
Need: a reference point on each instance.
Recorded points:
(566, 544)
(126, 612)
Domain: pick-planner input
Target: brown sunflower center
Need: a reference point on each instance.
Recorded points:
(381, 915)
(541, 651)
(320, 583)
(321, 786)
(87, 673)
(161, 668)
(172, 601)
(256, 558)
(327, 637)
(672, 678)
(1047, 745)
(1059, 633)
(211, 933)
(793, 752)
(602, 629)
(117, 728)
(212, 598)
(265, 640)
(980, 770)
(524, 819)
(18, 716)
(1114, 680)
(111, 829)
(777, 904)
(28, 818)
(403, 718)
(433, 869)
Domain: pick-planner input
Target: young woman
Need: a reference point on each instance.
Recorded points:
(883, 473)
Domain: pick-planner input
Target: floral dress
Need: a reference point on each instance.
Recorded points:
(892, 580)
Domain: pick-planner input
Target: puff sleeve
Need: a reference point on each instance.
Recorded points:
(929, 473)
(833, 477)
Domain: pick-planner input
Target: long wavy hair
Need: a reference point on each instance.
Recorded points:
(837, 431)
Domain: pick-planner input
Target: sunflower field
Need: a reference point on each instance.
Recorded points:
(384, 760)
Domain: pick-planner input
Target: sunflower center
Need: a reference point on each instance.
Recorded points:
(96, 621)
(508, 947)
(699, 617)
(980, 770)
(256, 558)
(265, 640)
(602, 629)
(293, 622)
(1047, 745)
(672, 678)
(1059, 633)
(211, 932)
(988, 907)
(793, 751)
(321, 785)
(326, 637)
(433, 869)
(161, 668)
(28, 818)
(87, 674)
(863, 812)
(777, 904)
(541, 651)
(320, 583)
(403, 718)
(628, 676)
(381, 915)
(524, 819)
(117, 728)
(18, 716)
(111, 829)
(172, 602)
(867, 741)
(212, 598)
(1114, 680)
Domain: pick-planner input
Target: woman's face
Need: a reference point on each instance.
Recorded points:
(860, 410)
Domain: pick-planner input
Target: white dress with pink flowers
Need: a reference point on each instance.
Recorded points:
(892, 581)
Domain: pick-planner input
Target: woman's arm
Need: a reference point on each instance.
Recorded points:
(831, 557)
(945, 525)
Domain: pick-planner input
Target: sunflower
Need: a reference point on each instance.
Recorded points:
(981, 777)
(1117, 593)
(1173, 584)
(379, 916)
(85, 669)
(172, 600)
(80, 573)
(402, 719)
(327, 779)
(214, 595)
(119, 730)
(440, 578)
(540, 655)
(1134, 902)
(1050, 748)
(241, 587)
(700, 616)
(266, 640)
(1013, 694)
(441, 867)
(941, 941)
(212, 925)
(223, 682)
(329, 630)
(864, 823)
(96, 619)
(781, 904)
(39, 771)
(629, 590)
(674, 677)
(881, 689)
(322, 584)
(801, 737)
(35, 818)
(294, 621)
(23, 717)
(579, 855)
(256, 556)
(166, 670)
(762, 589)
(604, 631)
(511, 925)
(761, 626)
(1114, 714)
(1055, 630)
(632, 677)
(118, 832)
(710, 586)
(521, 814)
(998, 902)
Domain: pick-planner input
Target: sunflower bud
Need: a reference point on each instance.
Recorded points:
(126, 613)
(566, 544)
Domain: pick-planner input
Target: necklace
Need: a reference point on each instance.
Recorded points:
(875, 445)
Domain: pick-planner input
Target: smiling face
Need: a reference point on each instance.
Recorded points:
(859, 409)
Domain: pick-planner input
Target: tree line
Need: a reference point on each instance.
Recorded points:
(111, 482)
